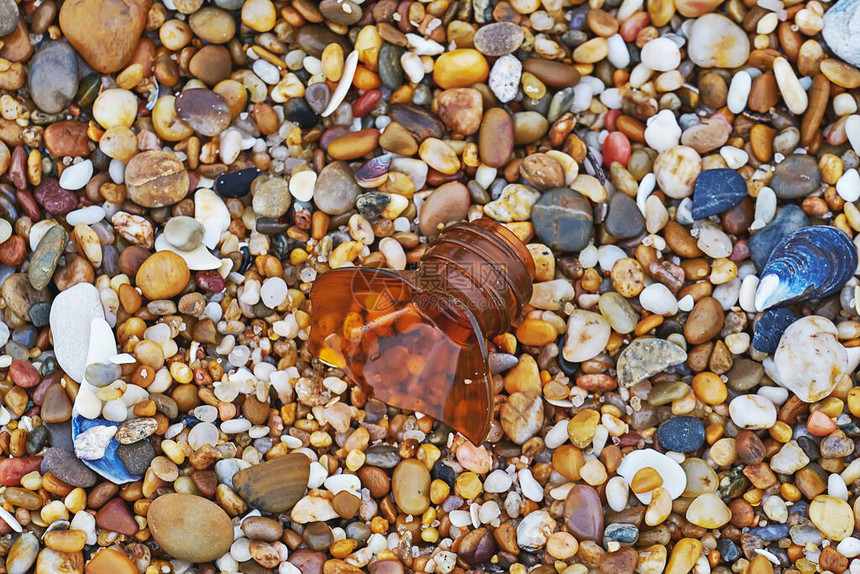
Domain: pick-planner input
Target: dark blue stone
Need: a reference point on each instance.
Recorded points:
(681, 434)
(762, 242)
(810, 263)
(771, 532)
(236, 183)
(769, 328)
(728, 550)
(626, 534)
(716, 191)
(298, 111)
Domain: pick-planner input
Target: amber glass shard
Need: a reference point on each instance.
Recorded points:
(416, 341)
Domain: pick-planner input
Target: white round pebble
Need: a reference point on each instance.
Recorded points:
(241, 550)
(674, 478)
(848, 186)
(302, 185)
(844, 104)
(776, 395)
(735, 158)
(657, 299)
(739, 92)
(504, 80)
(849, 547)
(266, 71)
(608, 255)
(235, 426)
(661, 55)
(77, 175)
(203, 433)
(662, 132)
(88, 215)
(273, 292)
(498, 481)
(752, 412)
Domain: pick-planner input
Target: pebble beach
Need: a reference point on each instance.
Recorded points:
(678, 393)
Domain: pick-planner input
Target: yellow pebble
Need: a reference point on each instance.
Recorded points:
(710, 388)
(439, 491)
(76, 500)
(173, 451)
(468, 485)
(723, 271)
(355, 459)
(684, 555)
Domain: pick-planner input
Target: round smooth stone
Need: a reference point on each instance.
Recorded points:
(336, 190)
(190, 527)
(796, 176)
(624, 219)
(183, 232)
(681, 434)
(563, 219)
(272, 198)
(410, 485)
(752, 412)
(162, 276)
(717, 42)
(204, 110)
(499, 38)
(832, 516)
(587, 335)
(716, 191)
(53, 75)
(809, 360)
(234, 184)
(708, 511)
(156, 179)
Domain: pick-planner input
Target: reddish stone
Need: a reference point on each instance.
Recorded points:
(633, 25)
(24, 374)
(18, 167)
(67, 138)
(740, 251)
(54, 198)
(610, 119)
(13, 251)
(365, 103)
(28, 204)
(12, 469)
(616, 147)
(116, 517)
(209, 281)
(598, 383)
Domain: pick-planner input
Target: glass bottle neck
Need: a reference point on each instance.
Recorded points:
(482, 267)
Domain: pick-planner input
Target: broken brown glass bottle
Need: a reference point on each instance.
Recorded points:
(416, 340)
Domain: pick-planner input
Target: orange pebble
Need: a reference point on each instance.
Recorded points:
(820, 424)
(364, 79)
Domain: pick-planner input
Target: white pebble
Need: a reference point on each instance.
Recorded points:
(849, 547)
(618, 56)
(77, 175)
(752, 412)
(662, 132)
(848, 186)
(836, 487)
(657, 299)
(661, 55)
(530, 487)
(617, 493)
(302, 185)
(273, 292)
(498, 481)
(88, 215)
(735, 158)
(608, 255)
(739, 92)
(267, 72)
(844, 104)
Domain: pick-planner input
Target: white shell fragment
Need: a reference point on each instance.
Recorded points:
(674, 478)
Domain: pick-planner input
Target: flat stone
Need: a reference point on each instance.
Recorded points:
(116, 517)
(53, 75)
(204, 110)
(796, 176)
(190, 527)
(104, 32)
(583, 513)
(810, 361)
(71, 315)
(68, 468)
(276, 485)
(646, 357)
(410, 485)
(449, 202)
(56, 562)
